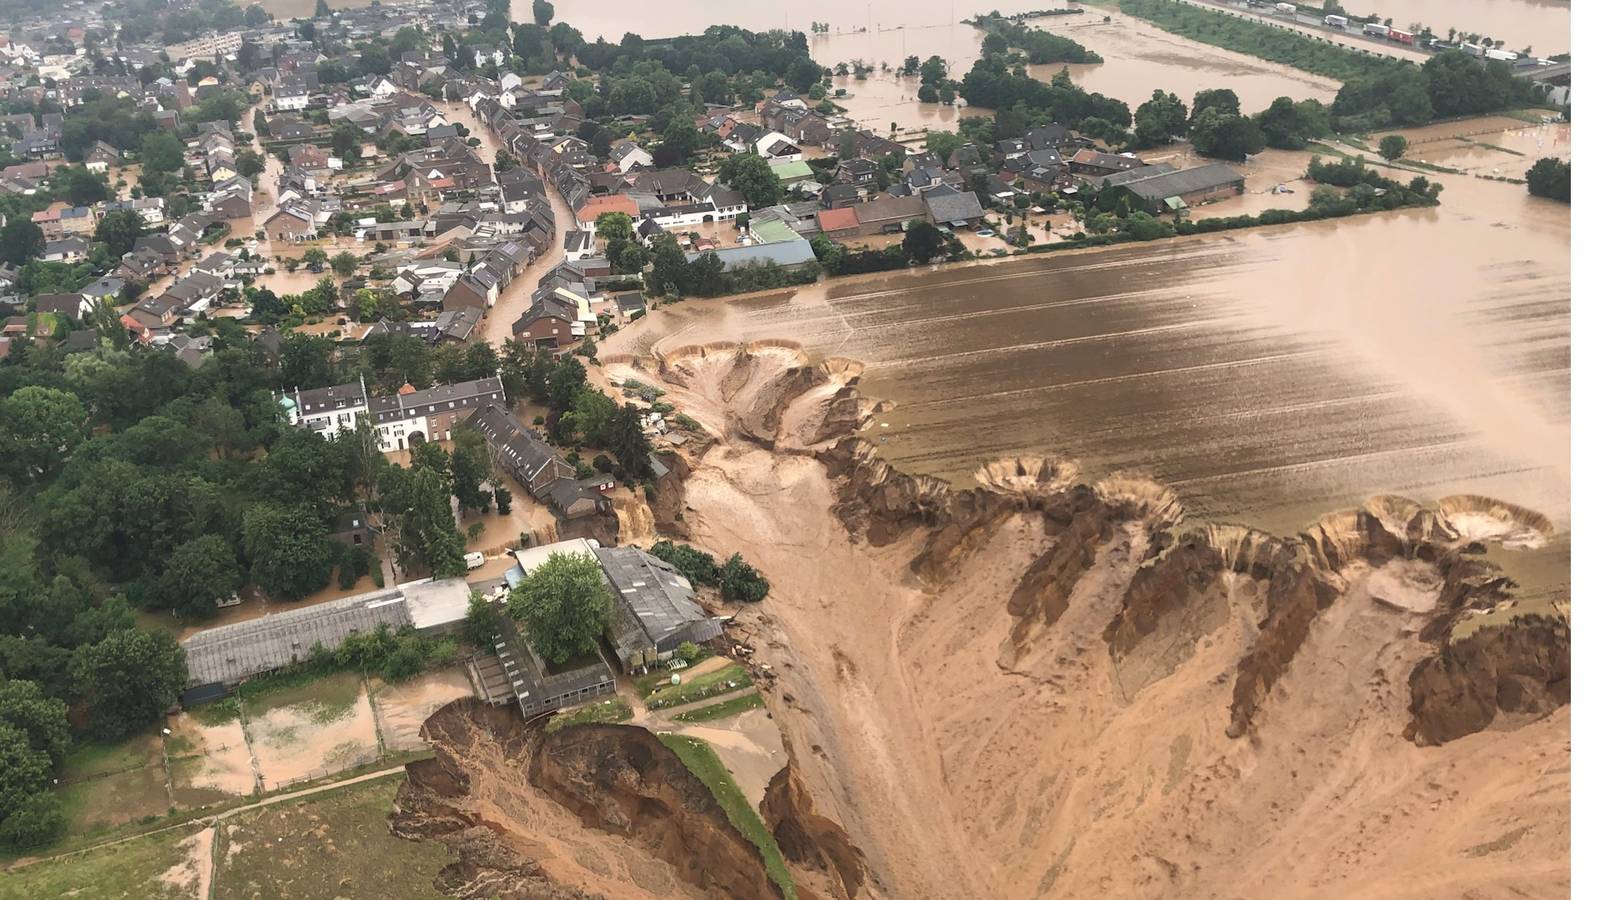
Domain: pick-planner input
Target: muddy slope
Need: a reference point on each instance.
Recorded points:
(1041, 686)
(594, 811)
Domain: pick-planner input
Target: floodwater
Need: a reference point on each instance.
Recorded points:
(1141, 58)
(1268, 375)
(881, 21)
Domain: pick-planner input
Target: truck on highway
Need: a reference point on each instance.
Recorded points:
(1501, 55)
(1402, 37)
(1287, 9)
(1335, 21)
(1375, 29)
(1472, 49)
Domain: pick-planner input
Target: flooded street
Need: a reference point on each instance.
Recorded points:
(1267, 375)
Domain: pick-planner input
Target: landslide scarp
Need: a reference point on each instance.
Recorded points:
(600, 810)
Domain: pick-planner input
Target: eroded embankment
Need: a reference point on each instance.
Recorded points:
(1043, 687)
(589, 811)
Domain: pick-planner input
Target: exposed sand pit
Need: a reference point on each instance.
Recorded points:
(402, 708)
(953, 678)
(304, 732)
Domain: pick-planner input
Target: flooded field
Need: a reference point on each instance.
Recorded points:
(402, 708)
(1141, 58)
(1267, 375)
(210, 760)
(303, 732)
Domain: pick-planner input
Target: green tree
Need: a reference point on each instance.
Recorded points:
(1160, 119)
(79, 186)
(39, 428)
(680, 140)
(128, 680)
(26, 707)
(34, 822)
(943, 143)
(543, 12)
(802, 74)
(249, 163)
(1288, 125)
(161, 153)
(741, 582)
(1225, 135)
(934, 71)
(1222, 100)
(345, 263)
(481, 626)
(198, 574)
(563, 606)
(614, 227)
(118, 230)
(1392, 147)
(24, 770)
(288, 549)
(20, 240)
(1551, 178)
(751, 176)
(469, 469)
(426, 535)
(922, 242)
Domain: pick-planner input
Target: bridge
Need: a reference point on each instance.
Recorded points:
(1560, 73)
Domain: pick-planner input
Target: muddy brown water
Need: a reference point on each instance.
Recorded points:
(1267, 375)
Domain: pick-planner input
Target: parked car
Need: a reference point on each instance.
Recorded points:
(475, 560)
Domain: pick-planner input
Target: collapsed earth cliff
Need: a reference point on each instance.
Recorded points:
(1046, 686)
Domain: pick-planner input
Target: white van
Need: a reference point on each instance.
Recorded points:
(474, 560)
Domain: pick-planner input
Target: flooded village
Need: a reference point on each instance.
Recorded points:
(705, 451)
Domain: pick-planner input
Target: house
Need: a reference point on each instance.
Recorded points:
(1093, 162)
(292, 222)
(791, 172)
(956, 209)
(70, 306)
(790, 254)
(775, 146)
(627, 156)
(885, 213)
(599, 206)
(839, 223)
(656, 611)
(1176, 190)
(530, 462)
(856, 172)
(70, 249)
(401, 420)
(101, 156)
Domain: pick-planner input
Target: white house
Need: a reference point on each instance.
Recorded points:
(773, 145)
(629, 156)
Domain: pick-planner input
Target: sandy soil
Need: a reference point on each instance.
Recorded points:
(301, 734)
(966, 763)
(402, 708)
(213, 761)
(193, 875)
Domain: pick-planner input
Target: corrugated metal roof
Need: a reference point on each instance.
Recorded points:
(783, 253)
(657, 598)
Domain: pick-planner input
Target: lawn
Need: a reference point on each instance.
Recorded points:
(721, 710)
(131, 869)
(104, 785)
(606, 712)
(335, 844)
(724, 680)
(700, 759)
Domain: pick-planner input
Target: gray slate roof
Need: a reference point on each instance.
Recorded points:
(658, 608)
(1184, 181)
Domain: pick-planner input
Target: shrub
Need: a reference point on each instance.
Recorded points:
(741, 582)
(689, 652)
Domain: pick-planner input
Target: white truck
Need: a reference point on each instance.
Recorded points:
(1501, 55)
(1339, 22)
(1287, 9)
(1375, 29)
